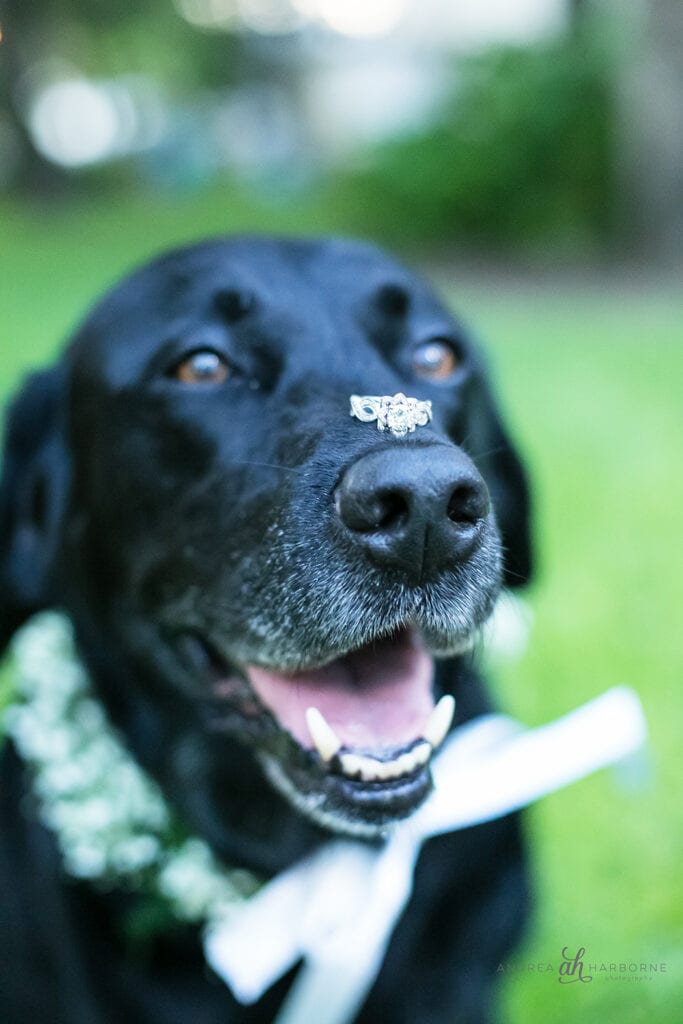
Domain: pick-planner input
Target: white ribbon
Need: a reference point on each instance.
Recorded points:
(337, 908)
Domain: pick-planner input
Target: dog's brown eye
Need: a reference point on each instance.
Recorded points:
(436, 359)
(204, 367)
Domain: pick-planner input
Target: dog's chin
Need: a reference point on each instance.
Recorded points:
(348, 743)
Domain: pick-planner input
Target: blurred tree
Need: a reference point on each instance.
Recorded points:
(41, 31)
(18, 22)
(531, 147)
(102, 38)
(520, 154)
(650, 129)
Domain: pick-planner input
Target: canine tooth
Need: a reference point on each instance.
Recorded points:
(439, 722)
(324, 737)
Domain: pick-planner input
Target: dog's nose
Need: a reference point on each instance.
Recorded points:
(416, 509)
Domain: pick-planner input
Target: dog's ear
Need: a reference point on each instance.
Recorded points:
(32, 499)
(489, 444)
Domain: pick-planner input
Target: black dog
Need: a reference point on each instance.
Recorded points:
(232, 546)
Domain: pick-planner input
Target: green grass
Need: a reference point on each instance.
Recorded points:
(593, 382)
(591, 379)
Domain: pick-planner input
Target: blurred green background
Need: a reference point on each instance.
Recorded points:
(528, 158)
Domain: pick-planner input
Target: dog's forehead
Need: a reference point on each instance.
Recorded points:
(319, 286)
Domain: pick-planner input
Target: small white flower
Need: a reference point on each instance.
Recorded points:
(134, 853)
(83, 860)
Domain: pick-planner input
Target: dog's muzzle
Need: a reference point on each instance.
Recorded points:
(398, 414)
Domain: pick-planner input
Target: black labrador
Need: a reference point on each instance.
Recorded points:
(188, 485)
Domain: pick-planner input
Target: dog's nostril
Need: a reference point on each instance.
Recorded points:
(366, 513)
(391, 510)
(467, 504)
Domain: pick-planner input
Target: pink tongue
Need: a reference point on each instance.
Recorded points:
(377, 697)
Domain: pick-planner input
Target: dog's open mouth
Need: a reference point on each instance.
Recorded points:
(351, 742)
(362, 709)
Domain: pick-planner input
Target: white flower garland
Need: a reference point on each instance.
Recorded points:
(111, 820)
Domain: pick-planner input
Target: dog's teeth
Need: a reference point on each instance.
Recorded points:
(326, 741)
(371, 770)
(392, 769)
(439, 722)
(379, 771)
(352, 764)
(421, 753)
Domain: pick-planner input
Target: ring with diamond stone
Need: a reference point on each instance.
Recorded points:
(398, 413)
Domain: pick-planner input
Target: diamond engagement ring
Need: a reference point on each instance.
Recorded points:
(398, 414)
